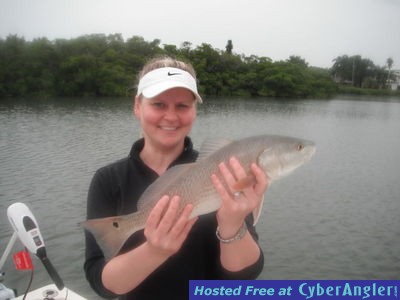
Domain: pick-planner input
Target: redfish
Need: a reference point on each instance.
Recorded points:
(276, 155)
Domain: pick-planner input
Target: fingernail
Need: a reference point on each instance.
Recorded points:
(234, 160)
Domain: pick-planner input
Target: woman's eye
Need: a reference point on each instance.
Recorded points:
(183, 106)
(158, 104)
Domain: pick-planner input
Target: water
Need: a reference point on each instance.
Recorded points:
(337, 217)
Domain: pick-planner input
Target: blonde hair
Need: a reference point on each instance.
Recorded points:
(164, 62)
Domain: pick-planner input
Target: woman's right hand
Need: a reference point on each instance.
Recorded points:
(166, 227)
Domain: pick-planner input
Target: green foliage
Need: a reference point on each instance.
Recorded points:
(106, 65)
(229, 47)
(349, 90)
(360, 72)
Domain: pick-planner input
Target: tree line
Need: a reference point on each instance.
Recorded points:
(362, 72)
(106, 65)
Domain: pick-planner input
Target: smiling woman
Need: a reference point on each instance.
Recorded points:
(165, 105)
(165, 121)
(171, 243)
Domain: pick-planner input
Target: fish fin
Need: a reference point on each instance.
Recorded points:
(211, 145)
(152, 193)
(243, 183)
(257, 212)
(246, 182)
(109, 235)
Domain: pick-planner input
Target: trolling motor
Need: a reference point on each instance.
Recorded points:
(27, 230)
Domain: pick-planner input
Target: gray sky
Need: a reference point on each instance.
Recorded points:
(317, 30)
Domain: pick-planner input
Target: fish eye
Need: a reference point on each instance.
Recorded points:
(300, 147)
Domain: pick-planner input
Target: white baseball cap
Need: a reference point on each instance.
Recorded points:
(160, 80)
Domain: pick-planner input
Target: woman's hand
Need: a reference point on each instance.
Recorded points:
(166, 228)
(236, 205)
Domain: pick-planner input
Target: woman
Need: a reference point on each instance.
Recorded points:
(159, 261)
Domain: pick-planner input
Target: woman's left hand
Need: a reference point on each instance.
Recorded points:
(236, 205)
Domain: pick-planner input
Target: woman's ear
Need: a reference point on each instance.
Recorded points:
(136, 106)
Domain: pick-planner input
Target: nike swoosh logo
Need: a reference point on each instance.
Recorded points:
(172, 74)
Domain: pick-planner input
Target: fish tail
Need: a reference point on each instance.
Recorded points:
(108, 233)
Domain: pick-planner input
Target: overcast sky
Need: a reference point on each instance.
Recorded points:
(316, 30)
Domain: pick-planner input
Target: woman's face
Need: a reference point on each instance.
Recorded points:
(167, 118)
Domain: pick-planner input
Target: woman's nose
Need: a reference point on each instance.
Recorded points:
(171, 115)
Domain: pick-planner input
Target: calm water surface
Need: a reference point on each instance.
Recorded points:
(338, 217)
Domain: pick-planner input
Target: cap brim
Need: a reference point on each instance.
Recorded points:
(161, 87)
